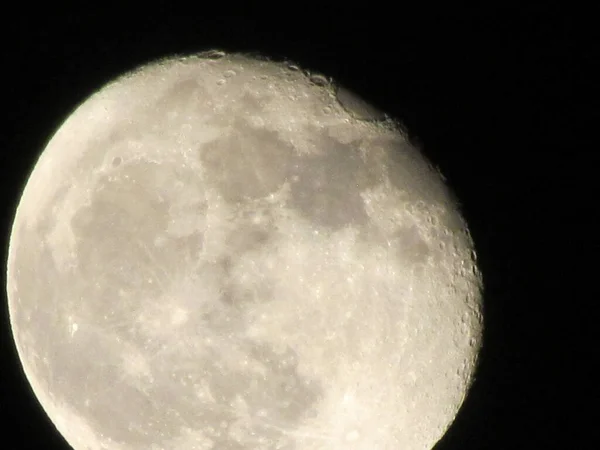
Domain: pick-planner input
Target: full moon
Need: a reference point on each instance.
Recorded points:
(225, 252)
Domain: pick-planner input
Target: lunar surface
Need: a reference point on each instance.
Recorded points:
(222, 252)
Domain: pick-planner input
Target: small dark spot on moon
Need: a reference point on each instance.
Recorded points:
(116, 162)
(225, 263)
(250, 238)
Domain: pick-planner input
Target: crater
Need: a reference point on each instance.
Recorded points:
(212, 54)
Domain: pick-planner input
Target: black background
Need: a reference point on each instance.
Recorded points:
(497, 97)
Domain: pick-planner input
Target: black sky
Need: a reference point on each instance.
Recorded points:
(497, 99)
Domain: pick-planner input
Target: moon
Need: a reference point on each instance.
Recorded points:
(221, 251)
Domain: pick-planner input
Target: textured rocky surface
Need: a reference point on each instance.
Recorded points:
(222, 253)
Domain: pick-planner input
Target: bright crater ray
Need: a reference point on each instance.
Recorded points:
(220, 252)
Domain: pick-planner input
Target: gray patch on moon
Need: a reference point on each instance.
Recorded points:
(408, 171)
(246, 163)
(187, 91)
(326, 188)
(411, 246)
(254, 106)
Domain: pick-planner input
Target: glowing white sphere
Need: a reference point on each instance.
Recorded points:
(223, 252)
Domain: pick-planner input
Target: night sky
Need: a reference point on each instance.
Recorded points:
(497, 99)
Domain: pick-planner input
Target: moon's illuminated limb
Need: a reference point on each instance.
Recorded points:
(223, 252)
